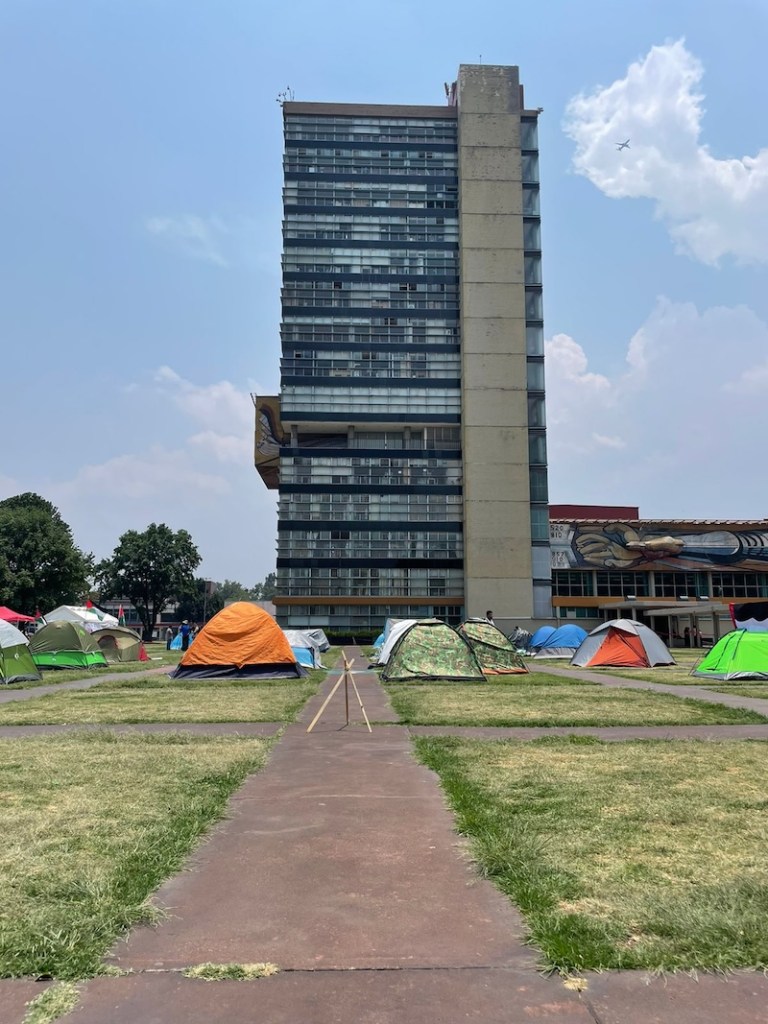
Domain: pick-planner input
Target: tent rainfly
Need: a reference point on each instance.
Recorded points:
(495, 653)
(305, 648)
(431, 649)
(118, 643)
(562, 643)
(741, 654)
(540, 637)
(622, 643)
(396, 629)
(66, 645)
(90, 618)
(16, 664)
(242, 641)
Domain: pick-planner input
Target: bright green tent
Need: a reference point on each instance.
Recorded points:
(16, 664)
(738, 655)
(431, 649)
(66, 645)
(494, 651)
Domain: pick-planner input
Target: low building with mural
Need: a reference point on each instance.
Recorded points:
(678, 576)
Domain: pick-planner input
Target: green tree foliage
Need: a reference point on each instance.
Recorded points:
(150, 569)
(231, 590)
(200, 601)
(265, 591)
(40, 565)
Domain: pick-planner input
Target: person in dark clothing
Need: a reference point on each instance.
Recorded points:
(185, 634)
(168, 638)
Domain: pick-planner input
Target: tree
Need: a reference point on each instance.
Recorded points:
(40, 564)
(150, 569)
(265, 591)
(200, 601)
(231, 590)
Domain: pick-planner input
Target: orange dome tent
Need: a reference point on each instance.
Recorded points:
(242, 641)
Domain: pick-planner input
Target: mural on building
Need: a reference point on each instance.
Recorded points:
(629, 546)
(269, 432)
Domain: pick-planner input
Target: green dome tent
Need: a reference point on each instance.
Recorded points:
(66, 645)
(16, 664)
(431, 649)
(741, 654)
(494, 651)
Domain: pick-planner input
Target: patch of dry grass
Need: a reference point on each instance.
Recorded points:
(159, 699)
(90, 825)
(644, 854)
(551, 701)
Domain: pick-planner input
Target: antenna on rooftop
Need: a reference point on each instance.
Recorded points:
(286, 96)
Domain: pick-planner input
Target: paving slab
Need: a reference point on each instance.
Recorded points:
(15, 994)
(637, 998)
(333, 997)
(612, 734)
(340, 854)
(730, 700)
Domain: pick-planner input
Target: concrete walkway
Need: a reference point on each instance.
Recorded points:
(339, 863)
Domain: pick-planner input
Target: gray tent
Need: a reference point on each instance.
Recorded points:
(622, 643)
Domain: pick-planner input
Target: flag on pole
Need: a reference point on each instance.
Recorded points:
(88, 603)
(120, 616)
(39, 618)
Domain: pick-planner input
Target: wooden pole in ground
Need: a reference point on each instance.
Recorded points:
(346, 689)
(326, 702)
(359, 701)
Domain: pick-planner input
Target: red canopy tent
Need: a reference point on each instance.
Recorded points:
(11, 616)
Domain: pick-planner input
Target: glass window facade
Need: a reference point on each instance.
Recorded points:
(370, 483)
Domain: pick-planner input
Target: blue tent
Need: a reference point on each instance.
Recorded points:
(379, 641)
(540, 637)
(563, 642)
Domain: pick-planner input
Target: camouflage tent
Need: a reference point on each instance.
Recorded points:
(430, 649)
(495, 652)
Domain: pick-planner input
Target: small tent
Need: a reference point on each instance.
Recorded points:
(540, 637)
(118, 643)
(16, 664)
(306, 649)
(66, 645)
(396, 630)
(242, 641)
(431, 649)
(562, 643)
(741, 654)
(495, 653)
(90, 618)
(319, 637)
(622, 643)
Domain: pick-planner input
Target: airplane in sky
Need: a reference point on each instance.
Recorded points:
(622, 145)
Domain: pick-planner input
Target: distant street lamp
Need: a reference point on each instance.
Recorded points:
(209, 587)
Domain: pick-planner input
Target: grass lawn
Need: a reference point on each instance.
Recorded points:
(160, 699)
(67, 675)
(639, 855)
(90, 825)
(540, 700)
(676, 675)
(741, 687)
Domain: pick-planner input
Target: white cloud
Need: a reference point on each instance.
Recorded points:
(222, 408)
(198, 237)
(671, 431)
(713, 207)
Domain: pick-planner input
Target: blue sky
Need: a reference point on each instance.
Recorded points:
(139, 259)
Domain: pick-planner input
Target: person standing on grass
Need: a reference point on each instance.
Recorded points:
(168, 638)
(185, 634)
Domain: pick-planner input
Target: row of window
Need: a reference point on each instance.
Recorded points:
(351, 128)
(316, 399)
(372, 508)
(387, 367)
(341, 330)
(289, 547)
(372, 233)
(368, 618)
(371, 476)
(369, 262)
(414, 438)
(598, 583)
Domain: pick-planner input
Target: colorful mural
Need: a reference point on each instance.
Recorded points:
(632, 545)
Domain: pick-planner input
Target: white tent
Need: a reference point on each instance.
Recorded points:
(319, 637)
(91, 618)
(399, 626)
